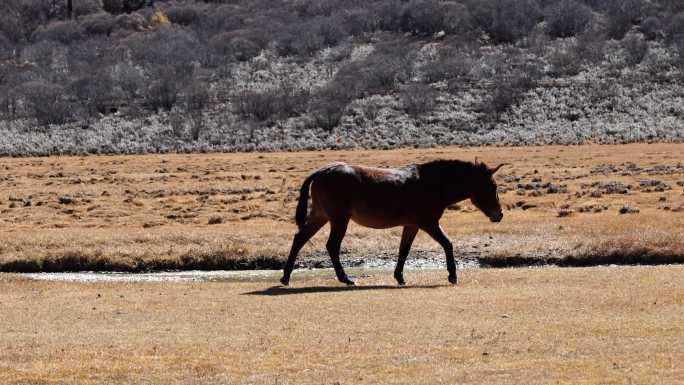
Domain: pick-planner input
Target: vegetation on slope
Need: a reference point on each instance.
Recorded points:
(147, 76)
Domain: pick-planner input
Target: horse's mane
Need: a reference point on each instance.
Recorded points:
(453, 168)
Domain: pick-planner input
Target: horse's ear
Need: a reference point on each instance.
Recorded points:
(476, 161)
(495, 169)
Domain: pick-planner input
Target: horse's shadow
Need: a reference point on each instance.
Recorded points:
(284, 290)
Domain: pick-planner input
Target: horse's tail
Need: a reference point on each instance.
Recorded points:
(302, 205)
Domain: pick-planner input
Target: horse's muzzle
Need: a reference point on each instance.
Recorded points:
(496, 217)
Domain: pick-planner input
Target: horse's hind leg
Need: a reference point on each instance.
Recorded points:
(407, 237)
(310, 228)
(337, 230)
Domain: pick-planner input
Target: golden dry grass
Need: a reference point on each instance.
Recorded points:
(499, 326)
(136, 212)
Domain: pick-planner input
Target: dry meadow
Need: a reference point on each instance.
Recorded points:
(598, 325)
(182, 211)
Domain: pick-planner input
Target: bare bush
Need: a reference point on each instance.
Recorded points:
(418, 99)
(622, 15)
(86, 7)
(98, 24)
(564, 61)
(567, 18)
(450, 64)
(162, 92)
(505, 21)
(196, 100)
(675, 29)
(46, 102)
(284, 101)
(256, 105)
(120, 6)
(131, 81)
(328, 105)
(652, 28)
(590, 47)
(238, 47)
(94, 89)
(305, 39)
(424, 17)
(183, 14)
(635, 48)
(514, 76)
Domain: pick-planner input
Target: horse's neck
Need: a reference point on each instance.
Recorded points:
(454, 189)
(453, 184)
(456, 192)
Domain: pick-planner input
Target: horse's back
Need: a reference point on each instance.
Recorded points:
(373, 197)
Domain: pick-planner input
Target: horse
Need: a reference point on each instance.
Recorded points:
(414, 196)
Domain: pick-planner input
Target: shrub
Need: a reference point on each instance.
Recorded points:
(635, 48)
(675, 29)
(183, 14)
(423, 17)
(46, 102)
(168, 51)
(41, 53)
(307, 38)
(6, 47)
(283, 101)
(391, 62)
(452, 65)
(621, 16)
(120, 6)
(590, 47)
(86, 7)
(564, 62)
(94, 90)
(130, 80)
(98, 24)
(418, 99)
(292, 101)
(65, 32)
(259, 106)
(651, 28)
(244, 49)
(388, 14)
(328, 105)
(567, 18)
(237, 47)
(196, 100)
(113, 6)
(359, 21)
(132, 22)
(505, 21)
(162, 92)
(510, 85)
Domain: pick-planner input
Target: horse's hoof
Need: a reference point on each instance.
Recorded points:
(285, 281)
(400, 281)
(348, 281)
(453, 279)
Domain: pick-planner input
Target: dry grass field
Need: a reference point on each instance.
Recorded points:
(226, 210)
(599, 325)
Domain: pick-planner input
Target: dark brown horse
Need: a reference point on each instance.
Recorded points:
(414, 196)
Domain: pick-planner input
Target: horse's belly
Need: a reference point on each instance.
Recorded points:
(375, 221)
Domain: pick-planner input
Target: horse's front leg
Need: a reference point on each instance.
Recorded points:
(436, 232)
(407, 237)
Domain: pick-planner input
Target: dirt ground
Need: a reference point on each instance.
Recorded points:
(182, 211)
(599, 325)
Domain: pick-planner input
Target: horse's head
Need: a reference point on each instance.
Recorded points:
(484, 193)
